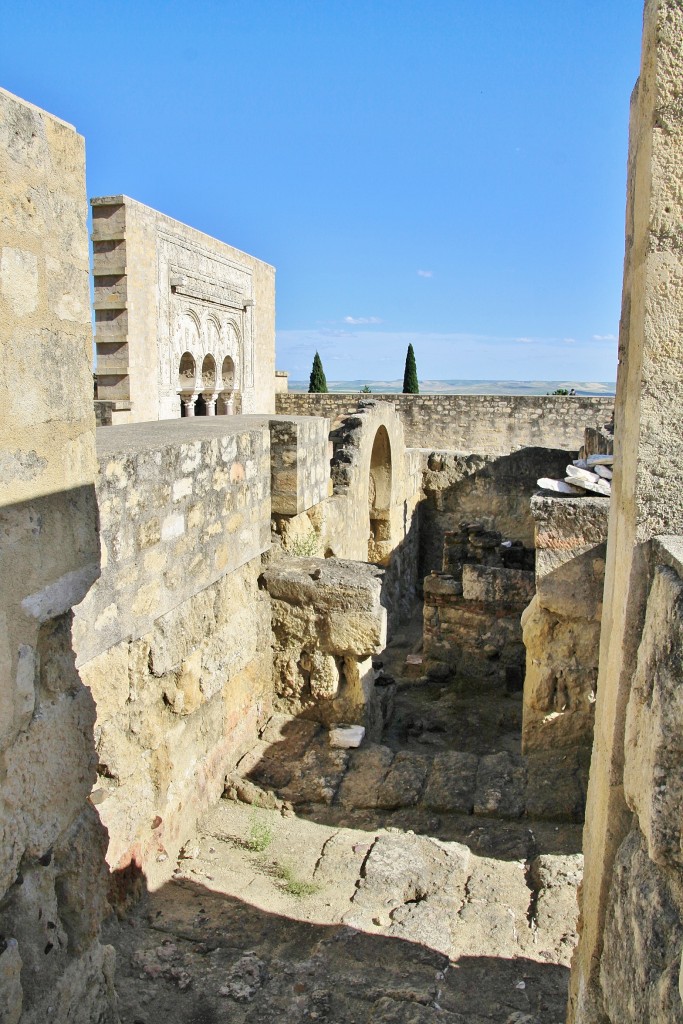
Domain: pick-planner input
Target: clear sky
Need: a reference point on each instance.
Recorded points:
(446, 172)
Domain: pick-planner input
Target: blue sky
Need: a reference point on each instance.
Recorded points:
(444, 172)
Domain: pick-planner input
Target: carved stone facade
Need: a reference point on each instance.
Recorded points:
(184, 323)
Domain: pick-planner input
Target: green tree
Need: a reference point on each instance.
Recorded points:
(410, 383)
(317, 383)
(365, 390)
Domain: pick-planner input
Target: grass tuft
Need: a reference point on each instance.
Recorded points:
(292, 885)
(260, 835)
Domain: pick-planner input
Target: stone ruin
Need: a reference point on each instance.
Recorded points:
(200, 590)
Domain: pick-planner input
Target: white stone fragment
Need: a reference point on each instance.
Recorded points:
(604, 471)
(579, 475)
(559, 486)
(580, 463)
(600, 460)
(346, 736)
(602, 487)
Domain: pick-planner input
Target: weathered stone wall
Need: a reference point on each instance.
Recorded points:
(371, 515)
(52, 876)
(163, 289)
(643, 930)
(486, 424)
(493, 491)
(472, 632)
(562, 623)
(300, 463)
(630, 945)
(173, 639)
(327, 622)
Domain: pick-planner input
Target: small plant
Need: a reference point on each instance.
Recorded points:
(366, 390)
(260, 835)
(304, 547)
(292, 885)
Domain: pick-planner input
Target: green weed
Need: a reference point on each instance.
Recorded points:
(292, 885)
(260, 835)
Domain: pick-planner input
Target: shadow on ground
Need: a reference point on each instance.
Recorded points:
(187, 955)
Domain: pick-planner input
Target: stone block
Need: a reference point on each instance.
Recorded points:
(643, 937)
(496, 585)
(501, 781)
(654, 723)
(451, 782)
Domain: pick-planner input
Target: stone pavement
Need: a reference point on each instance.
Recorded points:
(429, 877)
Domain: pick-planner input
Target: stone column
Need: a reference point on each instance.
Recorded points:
(647, 491)
(210, 400)
(188, 402)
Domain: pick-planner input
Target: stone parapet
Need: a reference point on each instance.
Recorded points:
(300, 463)
(181, 505)
(488, 424)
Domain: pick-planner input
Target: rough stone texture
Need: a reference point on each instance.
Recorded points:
(472, 628)
(176, 708)
(643, 938)
(493, 491)
(51, 843)
(653, 782)
(229, 940)
(648, 450)
(163, 289)
(561, 626)
(180, 505)
(300, 464)
(376, 488)
(490, 424)
(327, 621)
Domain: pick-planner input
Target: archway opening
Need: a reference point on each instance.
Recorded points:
(228, 387)
(187, 372)
(379, 499)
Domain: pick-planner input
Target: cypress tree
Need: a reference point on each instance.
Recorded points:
(317, 383)
(410, 384)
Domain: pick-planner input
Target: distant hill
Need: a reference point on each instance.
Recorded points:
(468, 387)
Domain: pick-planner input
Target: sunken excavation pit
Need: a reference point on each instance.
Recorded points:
(318, 707)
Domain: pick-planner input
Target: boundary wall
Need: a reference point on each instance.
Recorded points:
(495, 424)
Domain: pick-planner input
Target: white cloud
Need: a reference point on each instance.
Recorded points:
(425, 273)
(569, 341)
(604, 337)
(525, 341)
(362, 320)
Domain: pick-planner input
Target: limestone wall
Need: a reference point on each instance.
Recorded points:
(52, 881)
(173, 639)
(562, 623)
(472, 632)
(163, 289)
(327, 621)
(300, 460)
(487, 424)
(372, 514)
(643, 927)
(493, 491)
(180, 505)
(629, 951)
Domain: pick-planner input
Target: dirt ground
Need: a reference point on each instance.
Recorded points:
(429, 877)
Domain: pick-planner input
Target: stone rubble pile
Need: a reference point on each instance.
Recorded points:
(592, 474)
